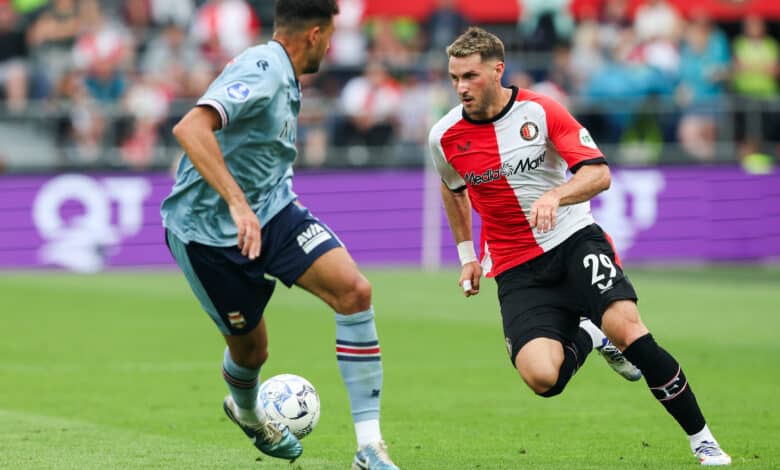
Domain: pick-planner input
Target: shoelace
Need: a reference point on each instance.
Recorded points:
(613, 353)
(709, 449)
(380, 450)
(269, 432)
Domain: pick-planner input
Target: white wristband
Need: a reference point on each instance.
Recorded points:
(466, 252)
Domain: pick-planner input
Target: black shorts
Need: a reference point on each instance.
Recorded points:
(546, 296)
(235, 290)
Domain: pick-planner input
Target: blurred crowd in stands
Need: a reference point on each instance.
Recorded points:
(105, 80)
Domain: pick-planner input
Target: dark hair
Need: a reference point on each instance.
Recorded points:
(297, 14)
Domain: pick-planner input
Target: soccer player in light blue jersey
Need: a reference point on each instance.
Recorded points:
(233, 222)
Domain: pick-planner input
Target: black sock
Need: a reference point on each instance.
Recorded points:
(583, 345)
(574, 355)
(666, 380)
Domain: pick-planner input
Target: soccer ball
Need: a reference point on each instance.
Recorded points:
(291, 400)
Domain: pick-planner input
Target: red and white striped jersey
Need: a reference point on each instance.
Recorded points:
(507, 163)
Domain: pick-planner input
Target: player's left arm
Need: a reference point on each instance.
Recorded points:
(591, 174)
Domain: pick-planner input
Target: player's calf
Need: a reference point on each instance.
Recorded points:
(670, 387)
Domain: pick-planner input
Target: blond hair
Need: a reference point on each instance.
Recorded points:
(477, 41)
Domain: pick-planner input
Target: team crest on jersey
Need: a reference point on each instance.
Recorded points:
(529, 131)
(236, 320)
(238, 91)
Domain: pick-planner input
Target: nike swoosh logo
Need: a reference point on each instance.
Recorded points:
(464, 148)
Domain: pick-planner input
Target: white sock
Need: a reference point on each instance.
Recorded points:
(703, 435)
(367, 432)
(596, 335)
(248, 416)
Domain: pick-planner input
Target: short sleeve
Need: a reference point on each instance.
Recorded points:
(449, 175)
(243, 89)
(572, 141)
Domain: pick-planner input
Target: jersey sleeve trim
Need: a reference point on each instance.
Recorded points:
(217, 107)
(592, 161)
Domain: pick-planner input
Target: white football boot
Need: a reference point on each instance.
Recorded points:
(709, 453)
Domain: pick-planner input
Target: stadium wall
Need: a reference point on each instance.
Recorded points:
(88, 222)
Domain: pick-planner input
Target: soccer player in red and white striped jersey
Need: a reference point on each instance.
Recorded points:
(505, 153)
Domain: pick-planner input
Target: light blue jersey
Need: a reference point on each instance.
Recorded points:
(258, 99)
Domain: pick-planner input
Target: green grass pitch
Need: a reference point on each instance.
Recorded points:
(123, 371)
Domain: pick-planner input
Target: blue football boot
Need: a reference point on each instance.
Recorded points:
(271, 438)
(373, 457)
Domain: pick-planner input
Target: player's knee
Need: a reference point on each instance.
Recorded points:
(357, 297)
(622, 324)
(540, 381)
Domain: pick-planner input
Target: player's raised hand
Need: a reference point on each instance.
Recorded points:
(469, 278)
(249, 239)
(544, 212)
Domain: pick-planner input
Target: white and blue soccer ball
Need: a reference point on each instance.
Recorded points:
(291, 400)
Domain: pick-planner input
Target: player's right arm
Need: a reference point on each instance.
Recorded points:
(458, 209)
(195, 133)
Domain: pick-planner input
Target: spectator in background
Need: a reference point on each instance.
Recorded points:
(613, 19)
(615, 91)
(392, 41)
(13, 60)
(586, 57)
(545, 24)
(147, 105)
(164, 12)
(224, 28)
(136, 16)
(348, 45)
(28, 8)
(103, 53)
(80, 129)
(172, 61)
(444, 23)
(657, 19)
(704, 67)
(414, 117)
(369, 103)
(756, 70)
(51, 38)
(313, 120)
(658, 27)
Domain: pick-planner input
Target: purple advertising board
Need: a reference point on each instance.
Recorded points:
(89, 222)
